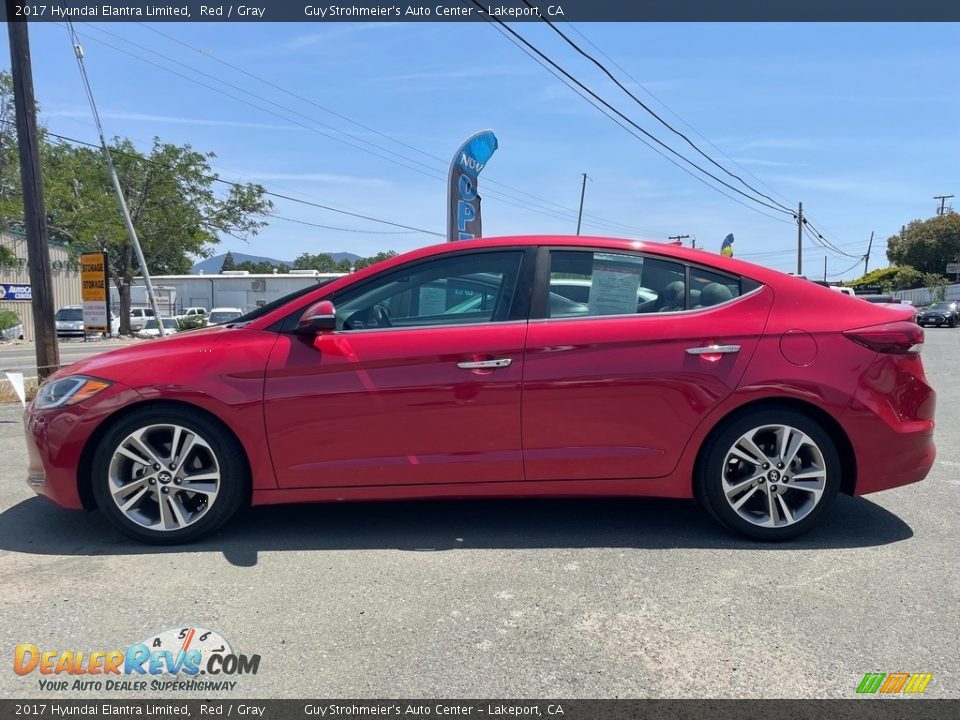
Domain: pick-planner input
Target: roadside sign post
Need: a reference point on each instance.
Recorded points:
(954, 269)
(94, 291)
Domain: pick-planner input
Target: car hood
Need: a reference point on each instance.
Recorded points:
(116, 364)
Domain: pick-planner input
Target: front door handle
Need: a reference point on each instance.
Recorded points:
(485, 364)
(714, 350)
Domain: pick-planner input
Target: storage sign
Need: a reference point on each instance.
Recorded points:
(94, 292)
(15, 292)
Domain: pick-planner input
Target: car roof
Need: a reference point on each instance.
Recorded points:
(226, 309)
(669, 251)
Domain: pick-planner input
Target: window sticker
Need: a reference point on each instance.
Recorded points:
(616, 280)
(433, 301)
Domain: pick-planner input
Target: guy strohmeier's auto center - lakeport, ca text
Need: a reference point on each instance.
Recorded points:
(226, 12)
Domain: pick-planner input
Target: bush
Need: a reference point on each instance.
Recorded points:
(192, 322)
(8, 319)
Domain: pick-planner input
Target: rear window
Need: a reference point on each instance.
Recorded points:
(69, 314)
(611, 283)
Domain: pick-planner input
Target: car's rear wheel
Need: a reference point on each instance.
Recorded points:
(770, 474)
(167, 475)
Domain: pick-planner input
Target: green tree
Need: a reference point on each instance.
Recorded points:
(174, 199)
(228, 262)
(380, 256)
(321, 263)
(927, 245)
(11, 201)
(171, 198)
(891, 278)
(262, 267)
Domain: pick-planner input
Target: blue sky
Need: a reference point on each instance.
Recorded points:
(859, 121)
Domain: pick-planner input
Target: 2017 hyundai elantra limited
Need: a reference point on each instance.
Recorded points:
(461, 370)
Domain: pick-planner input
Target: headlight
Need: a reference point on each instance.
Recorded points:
(68, 391)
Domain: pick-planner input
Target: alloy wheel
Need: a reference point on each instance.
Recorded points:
(773, 476)
(164, 477)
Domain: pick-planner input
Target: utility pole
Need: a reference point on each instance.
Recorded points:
(800, 239)
(866, 258)
(34, 208)
(824, 268)
(121, 200)
(693, 242)
(943, 199)
(678, 239)
(583, 191)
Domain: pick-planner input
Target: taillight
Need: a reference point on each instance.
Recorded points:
(896, 338)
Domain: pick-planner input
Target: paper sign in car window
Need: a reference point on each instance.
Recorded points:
(616, 280)
(433, 301)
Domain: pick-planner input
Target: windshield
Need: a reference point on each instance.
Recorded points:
(942, 306)
(223, 316)
(69, 314)
(271, 306)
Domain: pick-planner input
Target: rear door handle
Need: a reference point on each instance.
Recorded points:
(714, 350)
(485, 364)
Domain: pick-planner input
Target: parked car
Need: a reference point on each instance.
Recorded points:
(69, 322)
(221, 315)
(756, 393)
(192, 312)
(892, 303)
(139, 317)
(152, 329)
(945, 313)
(14, 332)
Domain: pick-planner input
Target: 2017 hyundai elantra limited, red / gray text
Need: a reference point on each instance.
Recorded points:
(464, 370)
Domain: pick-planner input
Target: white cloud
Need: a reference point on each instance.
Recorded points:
(174, 119)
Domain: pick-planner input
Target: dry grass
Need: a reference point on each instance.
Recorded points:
(9, 395)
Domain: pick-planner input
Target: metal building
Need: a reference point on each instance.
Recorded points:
(66, 279)
(234, 288)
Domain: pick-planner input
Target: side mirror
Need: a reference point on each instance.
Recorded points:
(319, 318)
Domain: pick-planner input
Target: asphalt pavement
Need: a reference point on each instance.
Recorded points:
(22, 356)
(584, 599)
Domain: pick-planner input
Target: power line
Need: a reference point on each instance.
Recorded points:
(670, 110)
(216, 178)
(350, 120)
(426, 171)
(650, 110)
(629, 130)
(274, 216)
(626, 118)
(844, 272)
(491, 194)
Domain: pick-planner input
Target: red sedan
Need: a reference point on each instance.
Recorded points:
(534, 366)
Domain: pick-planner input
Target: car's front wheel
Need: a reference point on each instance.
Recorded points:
(167, 475)
(770, 474)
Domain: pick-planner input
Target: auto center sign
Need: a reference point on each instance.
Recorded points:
(15, 292)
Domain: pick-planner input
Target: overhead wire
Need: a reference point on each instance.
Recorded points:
(670, 110)
(627, 119)
(632, 132)
(269, 193)
(423, 170)
(652, 112)
(488, 179)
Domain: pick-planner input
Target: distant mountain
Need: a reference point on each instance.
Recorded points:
(211, 266)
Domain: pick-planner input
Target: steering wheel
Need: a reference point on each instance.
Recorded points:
(381, 315)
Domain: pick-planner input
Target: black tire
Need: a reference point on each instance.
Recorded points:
(709, 477)
(234, 482)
